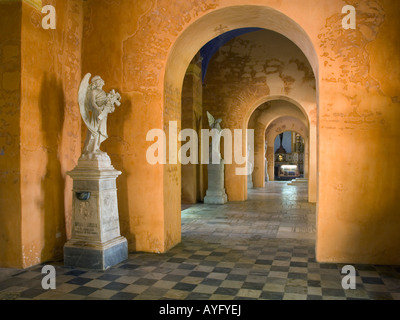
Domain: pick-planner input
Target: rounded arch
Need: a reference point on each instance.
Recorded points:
(269, 98)
(184, 48)
(297, 126)
(219, 21)
(275, 134)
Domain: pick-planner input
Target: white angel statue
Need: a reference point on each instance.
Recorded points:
(95, 105)
(216, 138)
(250, 159)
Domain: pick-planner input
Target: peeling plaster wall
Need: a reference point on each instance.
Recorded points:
(358, 218)
(127, 53)
(40, 70)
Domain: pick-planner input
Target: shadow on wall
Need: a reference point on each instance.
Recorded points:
(53, 183)
(116, 148)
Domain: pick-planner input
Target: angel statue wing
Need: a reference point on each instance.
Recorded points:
(214, 124)
(211, 120)
(82, 99)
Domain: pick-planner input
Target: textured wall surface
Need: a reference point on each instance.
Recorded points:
(43, 124)
(50, 127)
(10, 96)
(358, 218)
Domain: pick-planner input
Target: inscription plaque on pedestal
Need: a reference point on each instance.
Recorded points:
(96, 242)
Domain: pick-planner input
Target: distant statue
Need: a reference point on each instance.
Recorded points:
(95, 105)
(249, 161)
(216, 138)
(266, 162)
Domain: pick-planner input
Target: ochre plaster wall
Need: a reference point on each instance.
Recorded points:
(113, 48)
(50, 128)
(358, 215)
(10, 96)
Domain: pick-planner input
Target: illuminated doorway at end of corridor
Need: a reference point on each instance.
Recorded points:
(288, 156)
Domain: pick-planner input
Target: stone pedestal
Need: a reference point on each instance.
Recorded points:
(96, 242)
(216, 187)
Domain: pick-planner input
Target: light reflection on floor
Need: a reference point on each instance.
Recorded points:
(279, 210)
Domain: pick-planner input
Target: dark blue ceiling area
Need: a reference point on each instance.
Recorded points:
(213, 46)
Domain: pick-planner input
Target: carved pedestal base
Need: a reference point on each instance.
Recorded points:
(96, 242)
(98, 256)
(216, 188)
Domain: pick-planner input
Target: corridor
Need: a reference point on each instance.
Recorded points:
(261, 249)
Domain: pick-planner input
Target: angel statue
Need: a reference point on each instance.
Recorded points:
(95, 105)
(250, 160)
(216, 138)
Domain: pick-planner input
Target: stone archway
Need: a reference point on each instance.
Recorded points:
(184, 49)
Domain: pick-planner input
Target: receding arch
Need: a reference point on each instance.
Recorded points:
(296, 130)
(280, 106)
(288, 165)
(268, 98)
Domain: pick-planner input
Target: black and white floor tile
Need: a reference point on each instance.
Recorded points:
(261, 249)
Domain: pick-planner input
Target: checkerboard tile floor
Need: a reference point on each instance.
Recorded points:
(261, 249)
